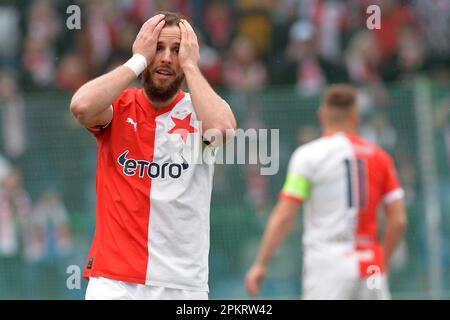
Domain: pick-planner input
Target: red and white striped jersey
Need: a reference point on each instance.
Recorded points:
(342, 180)
(152, 224)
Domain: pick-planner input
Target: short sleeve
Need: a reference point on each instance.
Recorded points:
(206, 135)
(391, 189)
(121, 100)
(97, 131)
(300, 163)
(298, 183)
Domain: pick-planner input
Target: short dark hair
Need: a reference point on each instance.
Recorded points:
(341, 100)
(342, 96)
(171, 18)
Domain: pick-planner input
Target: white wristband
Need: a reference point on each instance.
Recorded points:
(137, 63)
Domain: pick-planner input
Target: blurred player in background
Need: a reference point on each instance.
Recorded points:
(342, 180)
(152, 228)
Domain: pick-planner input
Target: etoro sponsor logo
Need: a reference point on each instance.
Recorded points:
(153, 170)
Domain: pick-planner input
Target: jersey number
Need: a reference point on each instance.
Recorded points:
(356, 172)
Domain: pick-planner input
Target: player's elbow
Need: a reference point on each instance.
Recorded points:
(227, 130)
(227, 134)
(231, 125)
(225, 125)
(80, 110)
(221, 133)
(396, 215)
(402, 222)
(398, 221)
(78, 107)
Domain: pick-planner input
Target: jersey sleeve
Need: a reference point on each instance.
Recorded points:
(391, 190)
(98, 130)
(298, 182)
(125, 96)
(208, 143)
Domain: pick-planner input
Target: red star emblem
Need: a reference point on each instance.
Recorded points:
(182, 127)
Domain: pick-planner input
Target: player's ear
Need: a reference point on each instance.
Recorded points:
(321, 114)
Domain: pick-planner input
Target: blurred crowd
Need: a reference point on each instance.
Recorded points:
(35, 231)
(246, 44)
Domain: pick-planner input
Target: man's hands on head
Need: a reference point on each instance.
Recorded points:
(189, 53)
(147, 38)
(92, 103)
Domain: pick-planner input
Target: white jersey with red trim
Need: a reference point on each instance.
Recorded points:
(342, 180)
(153, 196)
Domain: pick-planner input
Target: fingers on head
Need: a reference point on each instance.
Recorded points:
(187, 25)
(184, 31)
(188, 30)
(182, 25)
(159, 26)
(192, 32)
(153, 22)
(156, 19)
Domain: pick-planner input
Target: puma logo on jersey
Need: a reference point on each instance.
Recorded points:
(153, 170)
(133, 123)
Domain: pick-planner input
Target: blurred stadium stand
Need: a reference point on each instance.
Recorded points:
(270, 60)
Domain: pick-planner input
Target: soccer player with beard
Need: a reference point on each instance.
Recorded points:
(152, 223)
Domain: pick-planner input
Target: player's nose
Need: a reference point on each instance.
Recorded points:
(166, 56)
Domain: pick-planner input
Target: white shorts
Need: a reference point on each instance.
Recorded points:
(337, 278)
(106, 289)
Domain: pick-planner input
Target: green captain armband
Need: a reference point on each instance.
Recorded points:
(296, 186)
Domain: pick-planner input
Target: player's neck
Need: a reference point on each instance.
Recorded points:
(330, 130)
(158, 105)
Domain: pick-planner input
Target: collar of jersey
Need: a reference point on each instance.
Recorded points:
(352, 136)
(165, 109)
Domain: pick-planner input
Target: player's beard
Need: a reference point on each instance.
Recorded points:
(157, 93)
